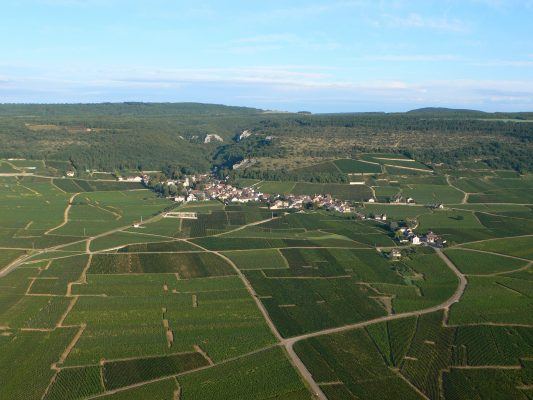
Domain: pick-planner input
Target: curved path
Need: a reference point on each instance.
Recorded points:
(287, 343)
(65, 215)
(455, 298)
(296, 361)
(465, 194)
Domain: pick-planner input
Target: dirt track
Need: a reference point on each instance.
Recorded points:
(288, 343)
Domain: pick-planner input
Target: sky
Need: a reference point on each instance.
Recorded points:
(319, 56)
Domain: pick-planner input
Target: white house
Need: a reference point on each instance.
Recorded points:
(278, 204)
(395, 254)
(415, 240)
(131, 179)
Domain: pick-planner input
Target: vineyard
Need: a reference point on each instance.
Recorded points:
(236, 303)
(421, 349)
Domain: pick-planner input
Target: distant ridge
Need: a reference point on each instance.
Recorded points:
(124, 108)
(444, 110)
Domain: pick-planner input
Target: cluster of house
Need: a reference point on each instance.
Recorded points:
(218, 190)
(133, 178)
(206, 187)
(399, 199)
(378, 217)
(326, 202)
(406, 235)
(395, 200)
(209, 188)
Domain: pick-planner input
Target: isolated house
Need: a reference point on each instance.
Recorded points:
(395, 254)
(431, 237)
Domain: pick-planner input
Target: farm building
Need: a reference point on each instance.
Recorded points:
(395, 254)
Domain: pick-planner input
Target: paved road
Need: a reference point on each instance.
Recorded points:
(456, 296)
(19, 261)
(288, 343)
(296, 361)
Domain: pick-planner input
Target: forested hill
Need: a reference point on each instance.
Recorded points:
(151, 136)
(112, 136)
(122, 109)
(436, 112)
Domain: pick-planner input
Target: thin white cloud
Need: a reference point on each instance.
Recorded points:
(277, 41)
(312, 9)
(76, 3)
(503, 5)
(503, 63)
(412, 57)
(415, 20)
(290, 84)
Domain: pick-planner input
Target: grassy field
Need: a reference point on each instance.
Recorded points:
(475, 263)
(164, 389)
(355, 363)
(185, 265)
(119, 374)
(340, 191)
(304, 305)
(32, 374)
(97, 212)
(275, 187)
(263, 376)
(455, 226)
(58, 274)
(129, 321)
(122, 238)
(349, 166)
(501, 299)
(517, 247)
(79, 185)
(431, 194)
(361, 362)
(427, 282)
(257, 259)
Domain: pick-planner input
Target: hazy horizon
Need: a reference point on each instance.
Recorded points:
(318, 56)
(264, 109)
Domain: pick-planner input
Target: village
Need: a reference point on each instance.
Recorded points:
(204, 187)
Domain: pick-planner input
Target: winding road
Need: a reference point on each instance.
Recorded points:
(286, 343)
(65, 215)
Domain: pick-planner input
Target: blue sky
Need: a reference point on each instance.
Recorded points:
(322, 56)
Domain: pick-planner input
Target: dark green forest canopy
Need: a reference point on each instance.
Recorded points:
(151, 136)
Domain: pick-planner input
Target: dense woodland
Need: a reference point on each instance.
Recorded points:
(154, 136)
